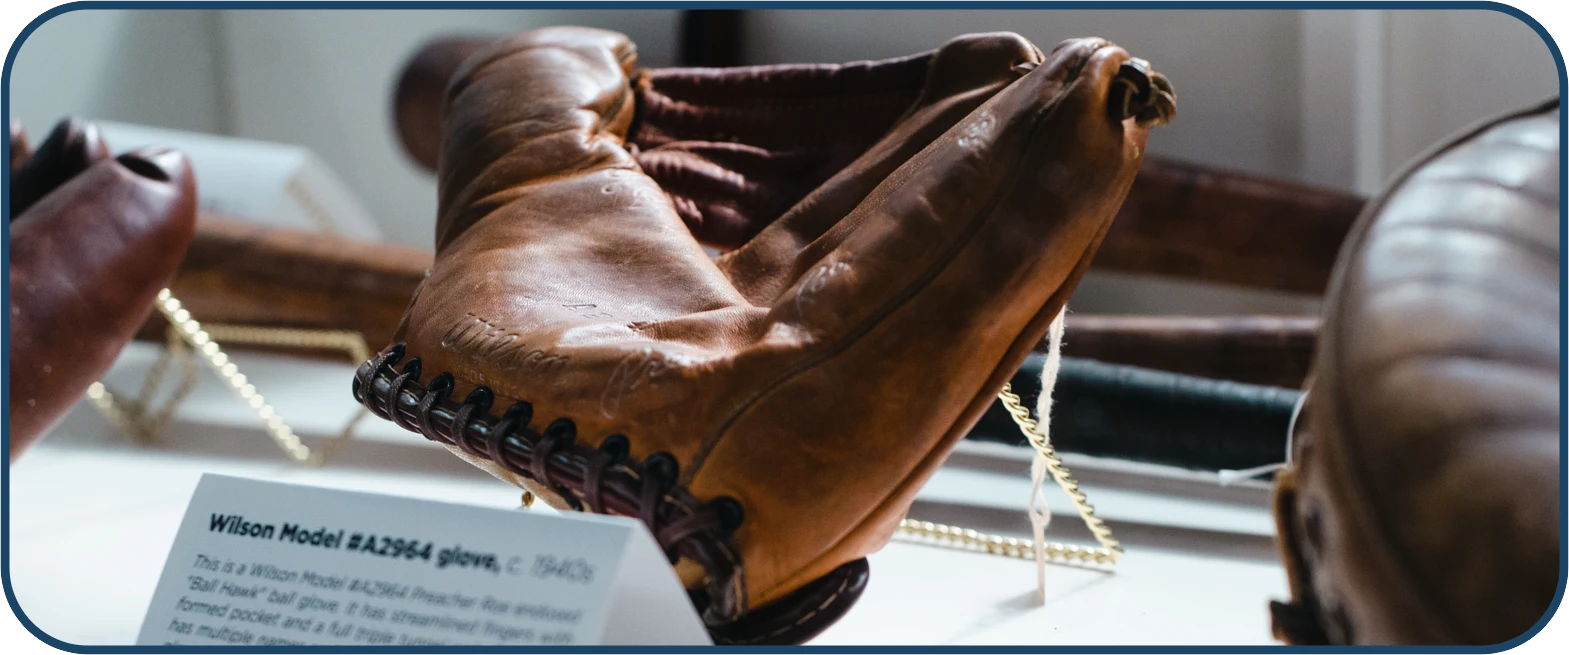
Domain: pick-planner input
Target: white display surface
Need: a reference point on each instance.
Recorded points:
(93, 516)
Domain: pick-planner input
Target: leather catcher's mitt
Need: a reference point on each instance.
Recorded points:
(906, 230)
(1422, 502)
(93, 239)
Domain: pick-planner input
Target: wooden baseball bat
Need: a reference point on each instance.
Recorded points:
(1264, 350)
(1188, 221)
(242, 273)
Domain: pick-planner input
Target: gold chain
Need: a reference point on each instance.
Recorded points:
(964, 539)
(189, 341)
(348, 341)
(1060, 472)
(135, 418)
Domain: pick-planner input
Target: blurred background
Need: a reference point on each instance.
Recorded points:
(1332, 98)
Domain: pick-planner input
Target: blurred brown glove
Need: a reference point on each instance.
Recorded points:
(93, 239)
(1422, 502)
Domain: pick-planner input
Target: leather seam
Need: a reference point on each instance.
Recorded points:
(378, 369)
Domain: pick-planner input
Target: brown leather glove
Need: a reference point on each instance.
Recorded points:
(918, 222)
(93, 239)
(1423, 501)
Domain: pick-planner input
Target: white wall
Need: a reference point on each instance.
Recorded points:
(1447, 70)
(323, 79)
(152, 67)
(1380, 87)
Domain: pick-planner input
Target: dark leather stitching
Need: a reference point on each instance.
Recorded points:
(693, 529)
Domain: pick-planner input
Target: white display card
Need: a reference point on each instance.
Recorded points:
(266, 564)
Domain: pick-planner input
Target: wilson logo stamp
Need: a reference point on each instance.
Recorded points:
(486, 343)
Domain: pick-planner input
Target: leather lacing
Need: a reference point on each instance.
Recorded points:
(604, 480)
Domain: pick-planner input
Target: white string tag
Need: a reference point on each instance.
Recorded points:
(1228, 477)
(1040, 512)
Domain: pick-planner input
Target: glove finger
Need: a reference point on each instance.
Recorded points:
(529, 108)
(1043, 157)
(736, 147)
(86, 263)
(726, 193)
(545, 220)
(72, 147)
(960, 76)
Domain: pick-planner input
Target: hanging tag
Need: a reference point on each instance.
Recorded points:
(266, 564)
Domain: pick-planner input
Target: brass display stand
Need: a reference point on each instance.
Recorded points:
(1104, 556)
(187, 342)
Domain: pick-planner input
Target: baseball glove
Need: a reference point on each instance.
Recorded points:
(93, 239)
(900, 234)
(1422, 502)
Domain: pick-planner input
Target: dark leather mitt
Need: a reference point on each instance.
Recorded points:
(1423, 500)
(904, 231)
(93, 239)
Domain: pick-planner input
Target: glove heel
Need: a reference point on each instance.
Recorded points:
(803, 614)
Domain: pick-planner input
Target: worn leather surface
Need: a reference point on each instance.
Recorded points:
(1423, 505)
(93, 239)
(901, 233)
